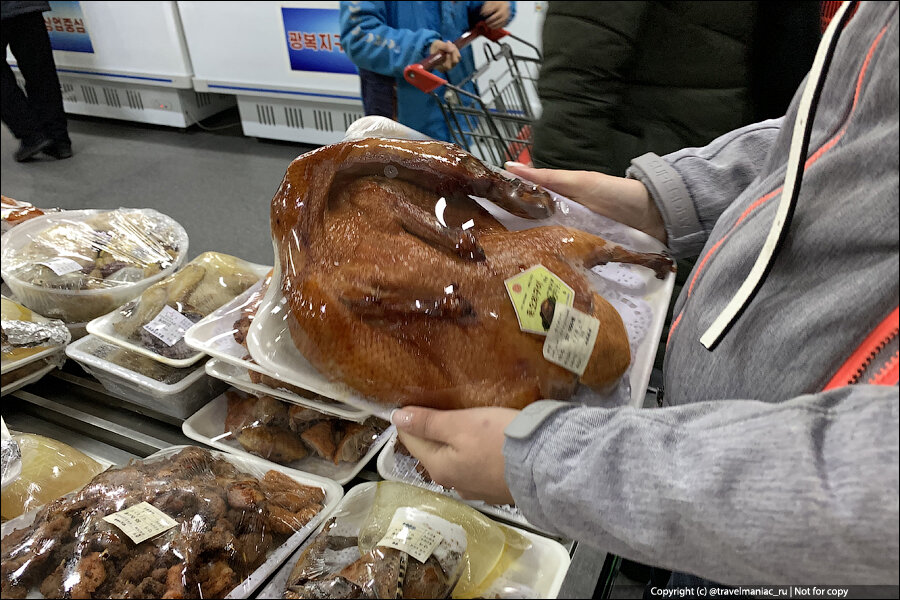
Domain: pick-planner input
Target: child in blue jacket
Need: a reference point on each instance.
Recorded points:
(382, 38)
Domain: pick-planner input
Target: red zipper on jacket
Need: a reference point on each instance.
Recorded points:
(862, 358)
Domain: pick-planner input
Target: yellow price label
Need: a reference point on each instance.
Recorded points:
(534, 294)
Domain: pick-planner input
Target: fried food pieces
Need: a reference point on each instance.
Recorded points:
(227, 522)
(283, 432)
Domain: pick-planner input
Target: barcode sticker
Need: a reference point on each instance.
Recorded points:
(410, 532)
(169, 326)
(141, 521)
(61, 265)
(571, 338)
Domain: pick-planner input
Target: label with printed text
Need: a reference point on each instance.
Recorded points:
(141, 521)
(571, 338)
(169, 325)
(61, 265)
(534, 294)
(410, 532)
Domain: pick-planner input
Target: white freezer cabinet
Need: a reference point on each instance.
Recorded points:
(282, 60)
(126, 60)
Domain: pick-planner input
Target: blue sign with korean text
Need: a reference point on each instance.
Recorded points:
(313, 37)
(66, 27)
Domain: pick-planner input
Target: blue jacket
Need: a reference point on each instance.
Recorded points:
(385, 37)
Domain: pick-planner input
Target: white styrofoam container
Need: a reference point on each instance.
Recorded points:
(542, 567)
(214, 334)
(207, 426)
(256, 467)
(103, 327)
(27, 380)
(240, 379)
(638, 296)
(74, 306)
(179, 400)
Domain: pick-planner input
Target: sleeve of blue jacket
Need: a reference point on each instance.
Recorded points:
(375, 46)
(474, 9)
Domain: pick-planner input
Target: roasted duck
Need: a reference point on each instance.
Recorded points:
(394, 277)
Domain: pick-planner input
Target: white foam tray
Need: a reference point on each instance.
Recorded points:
(29, 379)
(239, 378)
(11, 365)
(103, 328)
(542, 567)
(214, 334)
(207, 426)
(253, 465)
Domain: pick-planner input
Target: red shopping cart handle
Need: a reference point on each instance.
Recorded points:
(418, 74)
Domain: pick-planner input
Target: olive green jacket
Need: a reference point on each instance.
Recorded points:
(620, 79)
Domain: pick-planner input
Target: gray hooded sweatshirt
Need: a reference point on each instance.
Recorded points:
(756, 473)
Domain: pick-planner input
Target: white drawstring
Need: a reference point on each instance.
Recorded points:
(793, 178)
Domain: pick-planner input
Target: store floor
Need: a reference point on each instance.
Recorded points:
(217, 184)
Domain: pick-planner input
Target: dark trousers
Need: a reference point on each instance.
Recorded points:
(378, 94)
(38, 111)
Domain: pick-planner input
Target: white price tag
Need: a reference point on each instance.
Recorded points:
(141, 521)
(169, 325)
(571, 338)
(410, 532)
(61, 265)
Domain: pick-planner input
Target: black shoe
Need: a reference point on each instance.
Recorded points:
(28, 150)
(59, 150)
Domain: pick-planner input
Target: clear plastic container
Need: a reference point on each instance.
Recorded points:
(28, 374)
(211, 425)
(178, 393)
(78, 265)
(531, 566)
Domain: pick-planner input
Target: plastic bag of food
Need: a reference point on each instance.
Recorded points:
(188, 523)
(30, 372)
(397, 541)
(25, 334)
(156, 321)
(408, 272)
(287, 433)
(79, 264)
(49, 469)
